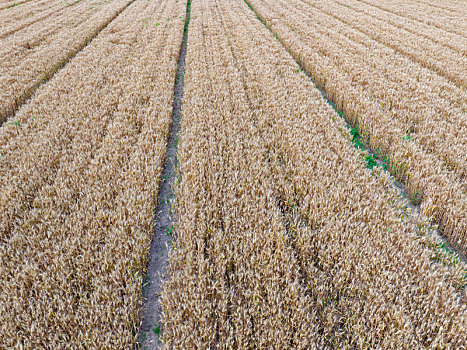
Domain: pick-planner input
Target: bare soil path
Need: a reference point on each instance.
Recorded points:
(151, 327)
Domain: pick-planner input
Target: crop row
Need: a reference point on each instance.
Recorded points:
(400, 108)
(283, 237)
(12, 3)
(18, 17)
(445, 61)
(440, 16)
(442, 37)
(422, 102)
(79, 171)
(33, 54)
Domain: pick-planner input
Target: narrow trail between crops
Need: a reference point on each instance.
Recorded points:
(412, 211)
(21, 100)
(151, 327)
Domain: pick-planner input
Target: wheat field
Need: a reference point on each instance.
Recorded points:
(317, 181)
(402, 104)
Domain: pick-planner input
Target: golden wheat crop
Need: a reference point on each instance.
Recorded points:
(4, 4)
(406, 25)
(447, 62)
(16, 17)
(12, 3)
(284, 238)
(79, 170)
(422, 102)
(34, 53)
(405, 112)
(446, 15)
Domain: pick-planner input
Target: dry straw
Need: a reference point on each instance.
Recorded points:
(79, 171)
(404, 111)
(284, 239)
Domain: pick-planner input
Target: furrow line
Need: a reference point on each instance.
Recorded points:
(151, 326)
